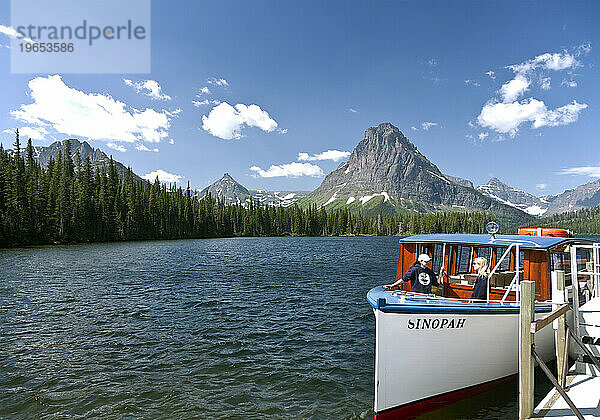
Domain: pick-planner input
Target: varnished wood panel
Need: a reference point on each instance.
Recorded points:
(407, 257)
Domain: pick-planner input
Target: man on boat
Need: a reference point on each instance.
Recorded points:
(421, 277)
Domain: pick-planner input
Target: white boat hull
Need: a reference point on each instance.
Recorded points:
(419, 356)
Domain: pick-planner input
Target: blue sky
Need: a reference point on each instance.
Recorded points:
(309, 77)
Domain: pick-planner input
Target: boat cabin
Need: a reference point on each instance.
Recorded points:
(535, 257)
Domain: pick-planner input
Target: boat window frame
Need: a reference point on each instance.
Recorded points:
(487, 257)
(499, 251)
(457, 267)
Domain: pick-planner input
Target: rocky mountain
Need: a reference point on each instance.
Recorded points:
(386, 173)
(522, 200)
(229, 189)
(235, 193)
(278, 198)
(459, 181)
(97, 157)
(584, 196)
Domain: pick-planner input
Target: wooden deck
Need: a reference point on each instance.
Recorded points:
(584, 388)
(584, 391)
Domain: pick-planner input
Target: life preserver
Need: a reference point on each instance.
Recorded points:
(558, 233)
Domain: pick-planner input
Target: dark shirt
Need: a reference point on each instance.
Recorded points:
(480, 288)
(421, 279)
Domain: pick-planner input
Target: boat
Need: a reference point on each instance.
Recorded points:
(433, 350)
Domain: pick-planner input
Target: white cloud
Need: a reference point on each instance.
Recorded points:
(150, 88)
(226, 122)
(293, 170)
(427, 125)
(217, 81)
(472, 83)
(90, 115)
(35, 133)
(556, 61)
(205, 102)
(12, 32)
(116, 147)
(564, 115)
(334, 155)
(568, 83)
(507, 114)
(491, 74)
(514, 88)
(482, 136)
(593, 171)
(203, 91)
(143, 148)
(432, 62)
(173, 113)
(354, 111)
(507, 117)
(541, 186)
(545, 83)
(412, 127)
(163, 176)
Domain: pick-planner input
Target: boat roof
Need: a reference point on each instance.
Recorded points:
(530, 242)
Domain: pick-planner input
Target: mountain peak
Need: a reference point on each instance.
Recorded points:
(228, 189)
(387, 168)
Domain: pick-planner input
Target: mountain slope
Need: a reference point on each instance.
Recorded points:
(97, 157)
(522, 200)
(228, 189)
(386, 167)
(582, 197)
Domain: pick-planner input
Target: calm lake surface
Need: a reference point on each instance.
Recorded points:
(242, 328)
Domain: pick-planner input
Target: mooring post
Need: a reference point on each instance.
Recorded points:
(558, 297)
(526, 362)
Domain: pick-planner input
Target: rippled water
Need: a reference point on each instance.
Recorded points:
(244, 328)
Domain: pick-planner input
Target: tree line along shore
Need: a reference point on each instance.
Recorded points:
(70, 202)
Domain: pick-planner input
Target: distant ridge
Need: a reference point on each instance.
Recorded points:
(98, 158)
(583, 197)
(232, 192)
(529, 203)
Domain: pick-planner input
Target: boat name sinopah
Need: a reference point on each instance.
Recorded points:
(435, 323)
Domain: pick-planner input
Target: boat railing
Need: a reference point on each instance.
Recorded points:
(460, 300)
(516, 278)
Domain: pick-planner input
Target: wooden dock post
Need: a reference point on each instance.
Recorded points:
(526, 362)
(558, 297)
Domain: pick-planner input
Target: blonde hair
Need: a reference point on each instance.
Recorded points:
(484, 269)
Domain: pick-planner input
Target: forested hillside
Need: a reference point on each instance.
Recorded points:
(583, 222)
(69, 202)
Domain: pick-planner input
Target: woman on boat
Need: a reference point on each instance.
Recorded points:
(421, 277)
(480, 265)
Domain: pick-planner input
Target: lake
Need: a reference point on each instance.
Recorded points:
(241, 327)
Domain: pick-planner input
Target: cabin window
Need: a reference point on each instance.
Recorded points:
(463, 259)
(435, 251)
(438, 251)
(485, 252)
(560, 261)
(583, 256)
(505, 263)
